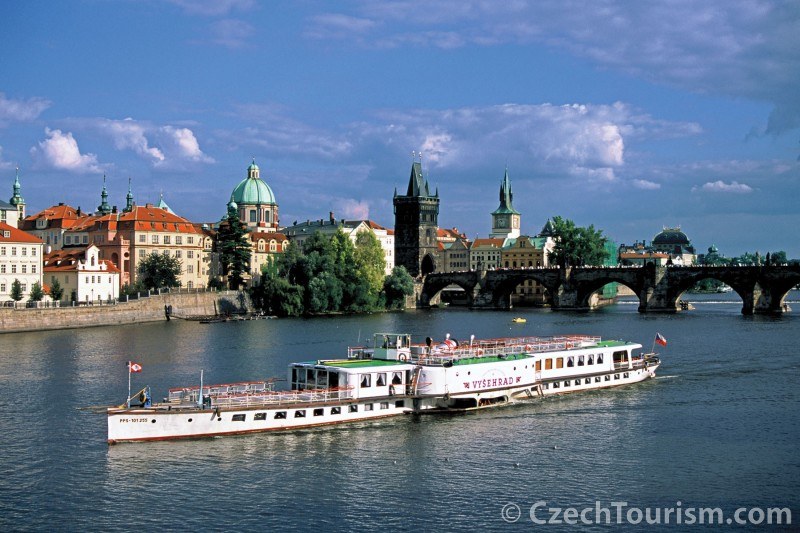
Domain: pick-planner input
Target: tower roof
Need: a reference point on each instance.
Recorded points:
(506, 198)
(253, 190)
(417, 184)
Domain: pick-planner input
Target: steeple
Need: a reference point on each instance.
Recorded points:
(506, 197)
(253, 171)
(104, 208)
(162, 204)
(505, 219)
(128, 199)
(17, 200)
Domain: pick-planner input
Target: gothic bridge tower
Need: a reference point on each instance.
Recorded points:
(416, 225)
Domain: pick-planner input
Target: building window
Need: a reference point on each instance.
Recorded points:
(142, 237)
(2, 269)
(13, 269)
(2, 250)
(190, 254)
(2, 287)
(24, 269)
(13, 251)
(154, 239)
(23, 286)
(167, 239)
(252, 215)
(85, 239)
(141, 254)
(178, 239)
(190, 240)
(190, 269)
(24, 251)
(178, 253)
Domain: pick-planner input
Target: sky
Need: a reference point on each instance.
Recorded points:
(630, 116)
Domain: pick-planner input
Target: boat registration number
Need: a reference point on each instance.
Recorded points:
(125, 420)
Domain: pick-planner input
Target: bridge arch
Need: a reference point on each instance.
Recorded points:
(503, 289)
(435, 283)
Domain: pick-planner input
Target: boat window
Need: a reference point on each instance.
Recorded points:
(322, 379)
(319, 412)
(353, 409)
(280, 415)
(333, 380)
(608, 378)
(548, 364)
(590, 360)
(336, 410)
(238, 418)
(559, 362)
(399, 403)
(599, 359)
(539, 365)
(587, 380)
(566, 383)
(260, 416)
(384, 405)
(580, 360)
(366, 380)
(620, 356)
(368, 407)
(597, 379)
(381, 381)
(616, 376)
(546, 386)
(397, 378)
(570, 361)
(300, 413)
(625, 375)
(556, 385)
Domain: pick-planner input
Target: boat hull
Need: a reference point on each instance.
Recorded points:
(166, 423)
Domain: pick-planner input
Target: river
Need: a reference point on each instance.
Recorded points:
(719, 427)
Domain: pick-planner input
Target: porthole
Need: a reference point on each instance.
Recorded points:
(153, 421)
(190, 420)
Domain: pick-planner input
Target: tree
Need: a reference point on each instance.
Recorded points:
(36, 293)
(16, 290)
(575, 245)
(56, 291)
(396, 286)
(159, 270)
(234, 249)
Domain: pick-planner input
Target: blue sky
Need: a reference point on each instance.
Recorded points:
(627, 115)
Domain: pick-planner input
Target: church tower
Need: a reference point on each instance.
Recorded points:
(103, 208)
(505, 219)
(17, 200)
(416, 225)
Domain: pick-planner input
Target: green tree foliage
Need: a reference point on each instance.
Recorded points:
(36, 293)
(234, 250)
(159, 270)
(56, 291)
(576, 245)
(397, 286)
(16, 290)
(326, 274)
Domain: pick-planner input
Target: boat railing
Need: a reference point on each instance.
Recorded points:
(191, 393)
(270, 398)
(505, 347)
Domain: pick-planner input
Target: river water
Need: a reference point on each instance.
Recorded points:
(719, 427)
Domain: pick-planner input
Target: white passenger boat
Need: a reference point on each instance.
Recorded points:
(390, 378)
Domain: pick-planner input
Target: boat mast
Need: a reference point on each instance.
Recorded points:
(128, 401)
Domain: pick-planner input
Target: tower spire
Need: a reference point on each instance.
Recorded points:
(129, 198)
(17, 200)
(104, 208)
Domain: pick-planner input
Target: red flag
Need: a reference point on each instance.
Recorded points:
(134, 367)
(660, 339)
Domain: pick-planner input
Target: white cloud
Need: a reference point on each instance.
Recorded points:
(721, 186)
(21, 110)
(130, 134)
(60, 151)
(352, 209)
(185, 144)
(646, 185)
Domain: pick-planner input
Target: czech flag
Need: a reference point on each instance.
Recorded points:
(134, 367)
(660, 339)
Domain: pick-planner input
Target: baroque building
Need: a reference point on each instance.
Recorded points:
(416, 225)
(255, 202)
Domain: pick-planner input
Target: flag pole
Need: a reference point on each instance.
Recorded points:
(129, 385)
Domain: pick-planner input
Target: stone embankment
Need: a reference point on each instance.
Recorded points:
(146, 309)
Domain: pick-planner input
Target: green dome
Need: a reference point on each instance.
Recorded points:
(253, 190)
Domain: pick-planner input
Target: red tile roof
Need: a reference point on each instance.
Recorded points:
(16, 235)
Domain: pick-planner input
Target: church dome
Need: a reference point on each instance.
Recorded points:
(671, 237)
(253, 190)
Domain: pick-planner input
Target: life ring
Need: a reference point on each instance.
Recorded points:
(478, 352)
(142, 397)
(528, 347)
(402, 357)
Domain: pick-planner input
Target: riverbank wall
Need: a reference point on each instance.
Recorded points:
(144, 309)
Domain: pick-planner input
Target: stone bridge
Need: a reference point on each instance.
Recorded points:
(659, 289)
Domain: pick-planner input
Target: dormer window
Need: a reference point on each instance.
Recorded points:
(41, 223)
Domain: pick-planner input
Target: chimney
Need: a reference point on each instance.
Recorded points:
(331, 217)
(79, 211)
